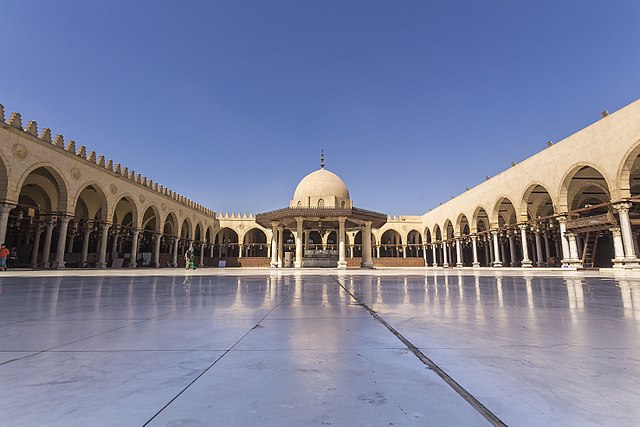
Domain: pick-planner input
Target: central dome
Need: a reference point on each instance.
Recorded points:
(321, 189)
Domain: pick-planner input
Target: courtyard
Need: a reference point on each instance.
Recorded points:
(319, 347)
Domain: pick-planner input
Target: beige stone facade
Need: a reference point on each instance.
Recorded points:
(573, 204)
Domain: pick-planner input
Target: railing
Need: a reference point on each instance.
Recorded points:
(592, 221)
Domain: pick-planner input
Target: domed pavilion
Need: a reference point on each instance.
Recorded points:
(321, 203)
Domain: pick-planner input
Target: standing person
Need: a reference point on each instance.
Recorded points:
(12, 260)
(4, 253)
(188, 255)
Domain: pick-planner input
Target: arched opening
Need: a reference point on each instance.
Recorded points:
(504, 218)
(35, 223)
(119, 244)
(414, 244)
(538, 209)
(168, 239)
(485, 250)
(357, 244)
(149, 232)
(255, 243)
(391, 244)
(226, 243)
(464, 228)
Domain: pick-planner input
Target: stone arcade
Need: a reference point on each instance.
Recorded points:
(573, 204)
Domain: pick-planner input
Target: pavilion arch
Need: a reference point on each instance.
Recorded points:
(4, 179)
(578, 180)
(94, 199)
(536, 202)
(390, 244)
(50, 180)
(254, 243)
(628, 175)
(226, 242)
(151, 219)
(462, 225)
(125, 212)
(480, 220)
(504, 213)
(170, 225)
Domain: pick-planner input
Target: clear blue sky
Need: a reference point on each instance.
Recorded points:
(229, 103)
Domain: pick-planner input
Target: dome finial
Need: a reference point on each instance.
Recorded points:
(322, 159)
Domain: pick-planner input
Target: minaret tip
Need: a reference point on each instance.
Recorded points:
(322, 159)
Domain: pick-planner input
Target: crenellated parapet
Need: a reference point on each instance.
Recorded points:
(90, 156)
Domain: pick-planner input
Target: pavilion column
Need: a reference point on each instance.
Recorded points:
(342, 262)
(435, 255)
(202, 249)
(512, 249)
(36, 246)
(305, 235)
(496, 249)
(298, 262)
(62, 241)
(377, 251)
(351, 251)
(274, 244)
(459, 262)
(85, 244)
(133, 261)
(445, 250)
(46, 249)
(211, 249)
(618, 248)
(404, 251)
(526, 262)
(503, 253)
(474, 246)
(104, 238)
(5, 208)
(157, 241)
(366, 246)
(176, 245)
(424, 254)
(280, 246)
(566, 255)
(630, 255)
(573, 246)
(539, 255)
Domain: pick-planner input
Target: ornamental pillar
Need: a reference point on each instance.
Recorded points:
(85, 244)
(445, 259)
(459, 263)
(566, 255)
(435, 255)
(133, 261)
(512, 249)
(46, 249)
(62, 241)
(630, 257)
(298, 261)
(176, 245)
(104, 238)
(474, 246)
(156, 250)
(573, 246)
(342, 262)
(5, 208)
(366, 246)
(539, 255)
(526, 262)
(618, 248)
(280, 246)
(274, 244)
(36, 246)
(496, 249)
(547, 252)
(202, 249)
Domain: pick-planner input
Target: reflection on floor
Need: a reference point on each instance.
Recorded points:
(248, 347)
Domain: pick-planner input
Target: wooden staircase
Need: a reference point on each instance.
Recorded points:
(590, 247)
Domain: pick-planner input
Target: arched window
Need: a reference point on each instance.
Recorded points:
(342, 204)
(321, 203)
(299, 204)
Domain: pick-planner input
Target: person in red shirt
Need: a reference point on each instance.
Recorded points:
(4, 253)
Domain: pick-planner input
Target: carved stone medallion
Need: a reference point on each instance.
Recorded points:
(141, 198)
(20, 151)
(113, 188)
(180, 212)
(163, 207)
(75, 173)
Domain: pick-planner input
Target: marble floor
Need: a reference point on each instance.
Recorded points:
(319, 347)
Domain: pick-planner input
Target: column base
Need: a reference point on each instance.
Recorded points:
(297, 264)
(476, 265)
(572, 263)
(618, 263)
(133, 265)
(101, 265)
(366, 264)
(58, 265)
(274, 265)
(459, 265)
(342, 265)
(156, 264)
(526, 263)
(631, 263)
(497, 264)
(445, 265)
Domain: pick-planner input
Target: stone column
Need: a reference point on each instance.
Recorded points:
(305, 235)
(342, 262)
(274, 244)
(280, 246)
(512, 249)
(496, 249)
(435, 255)
(404, 251)
(176, 245)
(526, 262)
(445, 255)
(133, 261)
(547, 250)
(36, 246)
(459, 263)
(377, 251)
(573, 247)
(618, 248)
(488, 250)
(366, 246)
(474, 245)
(298, 261)
(62, 241)
(102, 257)
(114, 243)
(539, 255)
(424, 254)
(156, 250)
(71, 237)
(630, 257)
(5, 208)
(85, 244)
(202, 249)
(566, 256)
(503, 253)
(46, 249)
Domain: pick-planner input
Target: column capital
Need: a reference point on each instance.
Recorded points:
(562, 219)
(615, 231)
(342, 219)
(275, 224)
(6, 207)
(495, 232)
(523, 226)
(622, 206)
(299, 220)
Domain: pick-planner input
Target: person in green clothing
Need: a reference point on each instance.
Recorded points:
(189, 257)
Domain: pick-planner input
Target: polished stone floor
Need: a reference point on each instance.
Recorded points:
(255, 347)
